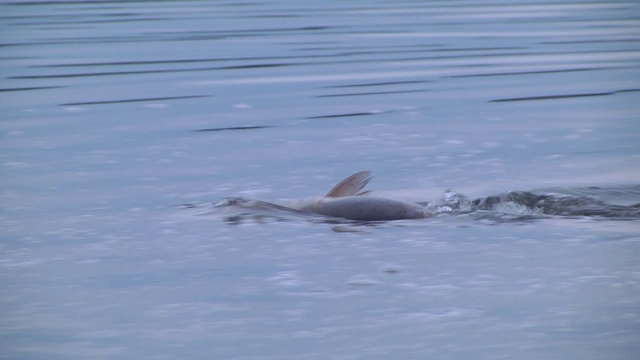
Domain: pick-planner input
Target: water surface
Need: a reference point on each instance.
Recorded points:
(115, 114)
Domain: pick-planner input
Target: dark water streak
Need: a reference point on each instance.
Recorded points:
(341, 115)
(233, 128)
(567, 96)
(135, 100)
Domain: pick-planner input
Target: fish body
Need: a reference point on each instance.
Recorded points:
(346, 200)
(362, 208)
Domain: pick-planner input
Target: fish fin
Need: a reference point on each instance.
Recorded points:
(351, 185)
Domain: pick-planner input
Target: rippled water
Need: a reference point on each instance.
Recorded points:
(517, 121)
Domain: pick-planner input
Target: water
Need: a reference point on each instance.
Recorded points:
(115, 114)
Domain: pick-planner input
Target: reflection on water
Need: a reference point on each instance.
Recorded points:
(113, 112)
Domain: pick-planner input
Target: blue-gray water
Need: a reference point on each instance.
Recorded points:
(103, 107)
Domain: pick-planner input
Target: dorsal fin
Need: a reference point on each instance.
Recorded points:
(351, 185)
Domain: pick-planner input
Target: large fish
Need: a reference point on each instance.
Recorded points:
(347, 201)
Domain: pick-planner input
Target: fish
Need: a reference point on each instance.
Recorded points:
(346, 200)
(349, 201)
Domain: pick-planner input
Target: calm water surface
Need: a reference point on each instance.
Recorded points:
(115, 114)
